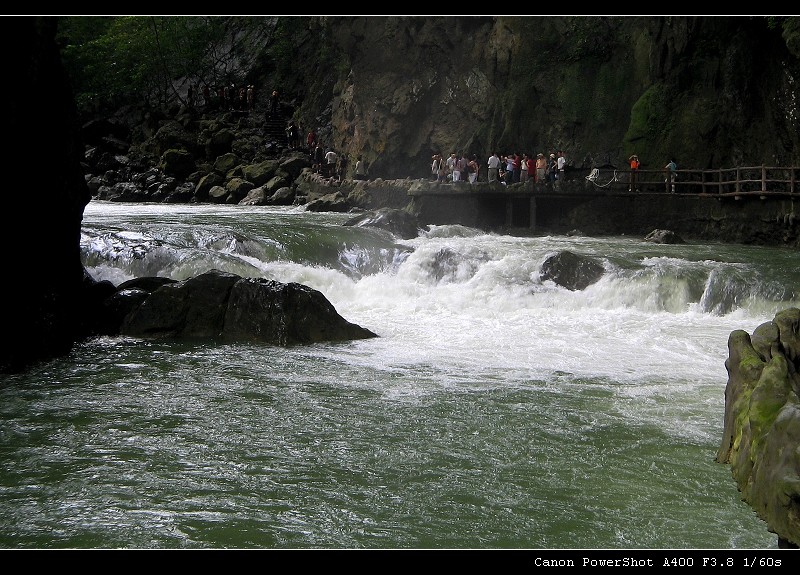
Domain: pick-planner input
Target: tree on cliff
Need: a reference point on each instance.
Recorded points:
(151, 60)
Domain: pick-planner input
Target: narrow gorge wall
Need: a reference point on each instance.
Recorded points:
(45, 197)
(710, 91)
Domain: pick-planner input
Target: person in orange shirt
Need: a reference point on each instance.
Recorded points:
(634, 160)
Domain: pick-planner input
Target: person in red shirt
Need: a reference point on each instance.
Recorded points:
(634, 160)
(516, 168)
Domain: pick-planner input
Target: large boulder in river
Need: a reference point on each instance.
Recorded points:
(226, 307)
(333, 202)
(570, 270)
(762, 422)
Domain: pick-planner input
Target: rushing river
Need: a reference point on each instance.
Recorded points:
(494, 410)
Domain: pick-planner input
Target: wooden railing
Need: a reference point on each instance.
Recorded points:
(756, 180)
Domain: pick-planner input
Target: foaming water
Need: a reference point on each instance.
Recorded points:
(495, 409)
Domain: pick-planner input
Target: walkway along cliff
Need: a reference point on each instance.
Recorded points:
(579, 205)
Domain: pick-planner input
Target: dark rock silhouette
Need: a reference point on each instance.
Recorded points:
(45, 284)
(226, 307)
(570, 270)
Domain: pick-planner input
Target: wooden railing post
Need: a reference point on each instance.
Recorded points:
(763, 178)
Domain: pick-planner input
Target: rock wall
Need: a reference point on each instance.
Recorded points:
(762, 421)
(710, 91)
(45, 197)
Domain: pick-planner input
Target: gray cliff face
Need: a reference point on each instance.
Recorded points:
(711, 91)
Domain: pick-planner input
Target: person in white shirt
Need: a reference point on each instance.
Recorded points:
(435, 165)
(560, 163)
(494, 167)
(452, 166)
(361, 171)
(461, 166)
(330, 163)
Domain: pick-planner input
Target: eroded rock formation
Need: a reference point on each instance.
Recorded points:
(761, 438)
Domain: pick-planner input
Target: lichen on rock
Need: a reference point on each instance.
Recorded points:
(761, 439)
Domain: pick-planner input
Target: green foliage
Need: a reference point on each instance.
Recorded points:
(112, 67)
(74, 31)
(649, 120)
(120, 60)
(774, 22)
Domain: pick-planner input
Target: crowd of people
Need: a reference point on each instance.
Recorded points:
(329, 164)
(222, 97)
(504, 168)
(523, 167)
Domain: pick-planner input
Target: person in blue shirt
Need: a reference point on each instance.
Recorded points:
(671, 168)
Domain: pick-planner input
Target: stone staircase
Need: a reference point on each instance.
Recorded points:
(275, 130)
